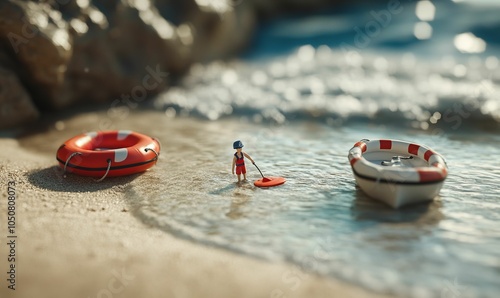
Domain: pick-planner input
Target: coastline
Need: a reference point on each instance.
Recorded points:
(88, 243)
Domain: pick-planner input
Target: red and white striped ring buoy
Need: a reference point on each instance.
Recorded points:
(436, 170)
(108, 153)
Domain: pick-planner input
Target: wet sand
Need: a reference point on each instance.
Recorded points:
(78, 238)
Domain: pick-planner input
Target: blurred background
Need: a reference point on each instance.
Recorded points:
(57, 54)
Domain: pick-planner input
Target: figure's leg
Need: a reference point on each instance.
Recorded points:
(244, 177)
(238, 173)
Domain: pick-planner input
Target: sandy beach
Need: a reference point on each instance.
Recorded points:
(78, 238)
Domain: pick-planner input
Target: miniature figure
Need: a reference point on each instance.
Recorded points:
(239, 161)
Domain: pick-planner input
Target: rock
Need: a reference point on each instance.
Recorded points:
(39, 41)
(117, 51)
(269, 9)
(70, 52)
(221, 28)
(79, 54)
(15, 102)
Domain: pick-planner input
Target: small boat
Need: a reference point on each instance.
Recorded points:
(397, 173)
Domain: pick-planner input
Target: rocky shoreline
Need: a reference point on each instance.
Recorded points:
(60, 53)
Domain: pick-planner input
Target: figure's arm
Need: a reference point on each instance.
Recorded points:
(234, 163)
(248, 156)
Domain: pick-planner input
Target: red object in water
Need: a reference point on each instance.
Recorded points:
(108, 153)
(269, 181)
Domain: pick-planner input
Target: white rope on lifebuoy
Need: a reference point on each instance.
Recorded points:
(154, 151)
(67, 161)
(107, 171)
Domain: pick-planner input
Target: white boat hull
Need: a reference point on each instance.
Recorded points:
(397, 173)
(398, 195)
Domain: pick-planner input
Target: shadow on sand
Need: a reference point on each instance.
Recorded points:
(52, 178)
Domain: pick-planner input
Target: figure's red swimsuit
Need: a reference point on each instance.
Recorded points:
(240, 164)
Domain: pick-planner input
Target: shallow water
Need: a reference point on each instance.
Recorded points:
(320, 221)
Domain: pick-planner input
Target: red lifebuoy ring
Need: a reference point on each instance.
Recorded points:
(108, 153)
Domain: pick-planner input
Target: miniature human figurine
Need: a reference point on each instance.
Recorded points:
(239, 161)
